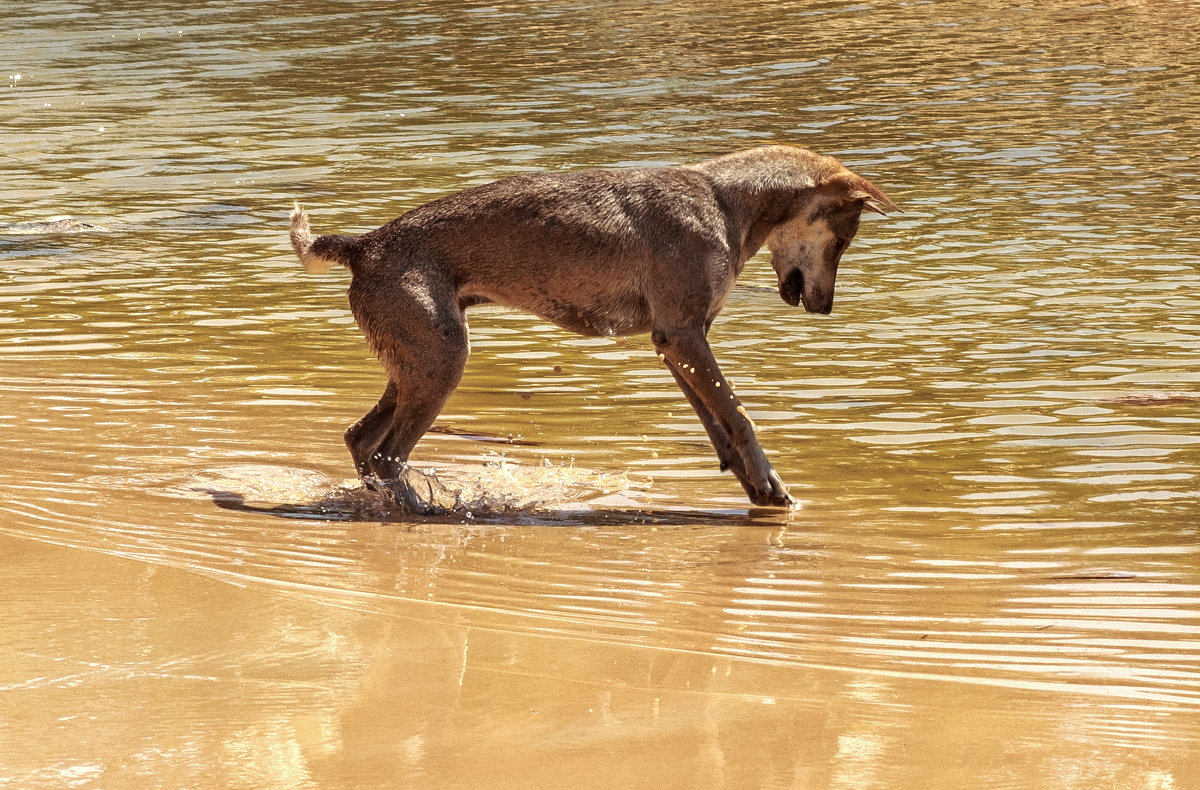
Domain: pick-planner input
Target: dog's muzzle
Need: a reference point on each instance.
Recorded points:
(791, 288)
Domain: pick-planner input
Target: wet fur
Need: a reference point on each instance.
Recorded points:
(597, 252)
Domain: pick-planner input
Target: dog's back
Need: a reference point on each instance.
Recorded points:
(577, 248)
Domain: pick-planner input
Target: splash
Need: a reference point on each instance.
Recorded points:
(498, 488)
(503, 486)
(258, 483)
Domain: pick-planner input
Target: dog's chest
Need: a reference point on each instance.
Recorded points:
(619, 312)
(722, 287)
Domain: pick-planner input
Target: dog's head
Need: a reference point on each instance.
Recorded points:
(807, 247)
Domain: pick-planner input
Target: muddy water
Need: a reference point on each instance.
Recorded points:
(992, 582)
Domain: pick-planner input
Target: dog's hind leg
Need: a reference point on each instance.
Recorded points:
(420, 335)
(419, 399)
(365, 435)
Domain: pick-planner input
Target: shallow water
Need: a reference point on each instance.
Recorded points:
(992, 580)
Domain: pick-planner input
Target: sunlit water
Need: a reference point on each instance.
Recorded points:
(992, 580)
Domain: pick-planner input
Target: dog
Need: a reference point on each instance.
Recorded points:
(597, 252)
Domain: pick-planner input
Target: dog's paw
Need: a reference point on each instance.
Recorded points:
(773, 499)
(772, 493)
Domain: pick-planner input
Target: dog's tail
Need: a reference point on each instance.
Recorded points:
(318, 253)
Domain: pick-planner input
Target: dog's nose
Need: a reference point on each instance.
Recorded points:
(819, 305)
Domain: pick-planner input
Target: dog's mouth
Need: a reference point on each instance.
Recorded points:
(791, 288)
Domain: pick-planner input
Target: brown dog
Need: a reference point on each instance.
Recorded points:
(598, 252)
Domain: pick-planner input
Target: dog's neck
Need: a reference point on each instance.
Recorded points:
(763, 187)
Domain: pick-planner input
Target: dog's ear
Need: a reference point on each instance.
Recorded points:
(869, 203)
(871, 197)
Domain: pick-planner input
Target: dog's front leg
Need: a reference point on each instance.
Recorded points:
(686, 351)
(730, 457)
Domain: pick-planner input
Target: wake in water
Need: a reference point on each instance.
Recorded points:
(498, 489)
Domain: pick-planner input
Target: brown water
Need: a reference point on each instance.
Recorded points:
(992, 582)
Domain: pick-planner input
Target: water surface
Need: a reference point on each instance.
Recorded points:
(992, 580)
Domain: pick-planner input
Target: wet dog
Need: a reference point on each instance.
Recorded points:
(597, 252)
